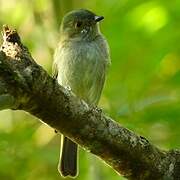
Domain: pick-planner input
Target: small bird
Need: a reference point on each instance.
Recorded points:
(81, 61)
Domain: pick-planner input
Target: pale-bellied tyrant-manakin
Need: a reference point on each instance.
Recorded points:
(81, 60)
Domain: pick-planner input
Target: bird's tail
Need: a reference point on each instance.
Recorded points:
(68, 158)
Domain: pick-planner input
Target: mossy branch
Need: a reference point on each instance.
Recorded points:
(24, 85)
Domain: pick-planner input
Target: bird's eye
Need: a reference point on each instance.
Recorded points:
(78, 24)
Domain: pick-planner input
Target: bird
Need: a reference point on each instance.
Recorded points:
(81, 62)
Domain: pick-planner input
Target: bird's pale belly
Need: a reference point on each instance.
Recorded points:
(84, 74)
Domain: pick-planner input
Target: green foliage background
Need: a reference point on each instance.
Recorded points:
(141, 92)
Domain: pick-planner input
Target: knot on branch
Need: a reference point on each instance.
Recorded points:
(12, 45)
(10, 35)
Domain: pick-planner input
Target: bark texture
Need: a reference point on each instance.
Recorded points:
(24, 85)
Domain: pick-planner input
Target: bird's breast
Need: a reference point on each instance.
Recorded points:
(82, 67)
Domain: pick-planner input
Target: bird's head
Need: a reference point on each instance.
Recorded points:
(80, 24)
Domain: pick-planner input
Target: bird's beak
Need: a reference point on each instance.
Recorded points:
(98, 18)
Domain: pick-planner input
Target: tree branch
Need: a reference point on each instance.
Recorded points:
(24, 85)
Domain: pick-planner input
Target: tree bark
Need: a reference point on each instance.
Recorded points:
(24, 85)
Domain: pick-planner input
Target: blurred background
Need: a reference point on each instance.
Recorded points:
(142, 91)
